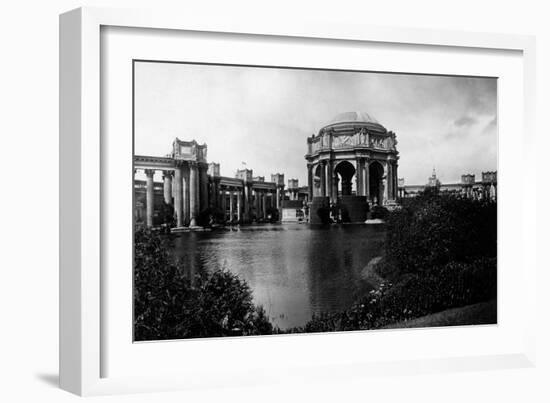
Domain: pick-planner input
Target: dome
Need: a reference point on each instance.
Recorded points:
(356, 119)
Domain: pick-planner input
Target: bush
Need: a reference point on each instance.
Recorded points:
(431, 231)
(165, 216)
(379, 212)
(168, 305)
(453, 285)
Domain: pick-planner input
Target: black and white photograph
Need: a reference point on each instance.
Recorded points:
(271, 200)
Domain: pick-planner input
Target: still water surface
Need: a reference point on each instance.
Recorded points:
(294, 270)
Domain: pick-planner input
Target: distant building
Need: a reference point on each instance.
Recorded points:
(433, 182)
(486, 189)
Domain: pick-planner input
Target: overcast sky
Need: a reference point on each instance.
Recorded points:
(262, 116)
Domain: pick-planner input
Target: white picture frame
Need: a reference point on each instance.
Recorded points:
(82, 297)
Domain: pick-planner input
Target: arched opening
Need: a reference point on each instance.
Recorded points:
(317, 181)
(345, 172)
(376, 186)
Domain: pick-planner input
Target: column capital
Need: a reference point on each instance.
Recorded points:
(167, 173)
(149, 172)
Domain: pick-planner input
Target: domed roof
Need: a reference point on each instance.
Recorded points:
(357, 118)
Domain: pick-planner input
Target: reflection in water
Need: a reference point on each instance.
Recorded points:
(294, 270)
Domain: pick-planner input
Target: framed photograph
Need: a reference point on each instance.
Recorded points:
(244, 201)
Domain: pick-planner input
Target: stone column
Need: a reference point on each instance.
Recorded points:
(257, 203)
(385, 182)
(329, 180)
(231, 205)
(309, 181)
(150, 197)
(392, 193)
(214, 196)
(323, 180)
(185, 195)
(167, 177)
(178, 193)
(264, 204)
(389, 180)
(246, 197)
(203, 187)
(174, 189)
(193, 193)
(366, 180)
(394, 180)
(359, 177)
(396, 177)
(239, 196)
(223, 203)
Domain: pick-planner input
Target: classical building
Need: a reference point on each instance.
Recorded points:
(191, 185)
(352, 161)
(485, 189)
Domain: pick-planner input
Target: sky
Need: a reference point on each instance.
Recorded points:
(263, 116)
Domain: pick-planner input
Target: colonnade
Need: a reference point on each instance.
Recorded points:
(190, 190)
(231, 199)
(236, 206)
(185, 188)
(263, 199)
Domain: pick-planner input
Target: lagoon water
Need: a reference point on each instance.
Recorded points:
(294, 270)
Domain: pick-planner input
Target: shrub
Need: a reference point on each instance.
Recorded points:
(379, 212)
(165, 216)
(168, 305)
(432, 231)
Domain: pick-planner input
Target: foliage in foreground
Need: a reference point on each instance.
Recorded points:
(167, 305)
(379, 212)
(431, 231)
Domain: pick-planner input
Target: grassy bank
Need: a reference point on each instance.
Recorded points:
(483, 313)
